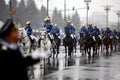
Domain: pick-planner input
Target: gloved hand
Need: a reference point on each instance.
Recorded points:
(38, 54)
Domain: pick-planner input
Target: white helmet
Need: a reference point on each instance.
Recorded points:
(28, 22)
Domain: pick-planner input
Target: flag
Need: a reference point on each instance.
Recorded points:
(13, 12)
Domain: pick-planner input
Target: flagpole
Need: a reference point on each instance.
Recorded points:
(10, 8)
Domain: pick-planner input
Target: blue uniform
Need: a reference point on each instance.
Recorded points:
(48, 26)
(90, 30)
(29, 30)
(97, 31)
(109, 32)
(115, 32)
(102, 32)
(55, 30)
(70, 28)
(83, 30)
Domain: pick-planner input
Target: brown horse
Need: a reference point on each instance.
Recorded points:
(68, 44)
(107, 43)
(82, 42)
(97, 43)
(89, 44)
(57, 42)
(114, 42)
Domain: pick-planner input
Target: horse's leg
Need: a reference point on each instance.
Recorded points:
(75, 48)
(89, 52)
(107, 50)
(115, 46)
(65, 51)
(70, 50)
(98, 50)
(57, 50)
(85, 50)
(111, 46)
(54, 52)
(94, 51)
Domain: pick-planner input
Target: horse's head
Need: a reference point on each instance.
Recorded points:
(67, 32)
(43, 33)
(20, 32)
(106, 34)
(23, 34)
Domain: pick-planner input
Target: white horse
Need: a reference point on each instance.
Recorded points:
(45, 41)
(25, 43)
(45, 46)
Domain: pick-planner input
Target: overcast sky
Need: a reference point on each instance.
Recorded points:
(95, 6)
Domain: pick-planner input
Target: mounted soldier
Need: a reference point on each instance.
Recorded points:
(70, 28)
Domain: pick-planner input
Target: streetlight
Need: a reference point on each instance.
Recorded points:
(107, 9)
(118, 14)
(87, 4)
(64, 10)
(47, 8)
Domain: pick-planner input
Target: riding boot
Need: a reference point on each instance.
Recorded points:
(30, 39)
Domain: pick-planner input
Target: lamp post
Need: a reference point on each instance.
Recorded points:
(107, 9)
(87, 4)
(64, 10)
(47, 8)
(118, 14)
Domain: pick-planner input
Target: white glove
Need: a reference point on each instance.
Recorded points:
(37, 54)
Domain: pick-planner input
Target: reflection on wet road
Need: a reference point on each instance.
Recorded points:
(82, 68)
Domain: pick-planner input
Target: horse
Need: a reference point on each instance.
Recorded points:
(24, 41)
(45, 46)
(25, 45)
(107, 43)
(75, 43)
(57, 43)
(45, 42)
(89, 44)
(114, 42)
(82, 42)
(68, 43)
(97, 43)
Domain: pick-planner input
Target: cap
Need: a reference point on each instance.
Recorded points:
(7, 28)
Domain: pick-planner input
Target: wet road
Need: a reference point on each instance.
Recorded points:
(80, 68)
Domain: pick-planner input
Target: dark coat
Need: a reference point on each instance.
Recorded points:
(13, 66)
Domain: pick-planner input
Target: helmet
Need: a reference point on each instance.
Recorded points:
(55, 25)
(28, 22)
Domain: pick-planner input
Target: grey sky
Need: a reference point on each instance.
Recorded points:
(95, 5)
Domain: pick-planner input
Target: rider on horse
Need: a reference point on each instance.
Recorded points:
(56, 30)
(29, 30)
(115, 32)
(70, 28)
(108, 31)
(96, 30)
(48, 25)
(102, 32)
(90, 29)
(83, 30)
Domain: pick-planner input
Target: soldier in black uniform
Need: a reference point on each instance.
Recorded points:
(13, 66)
